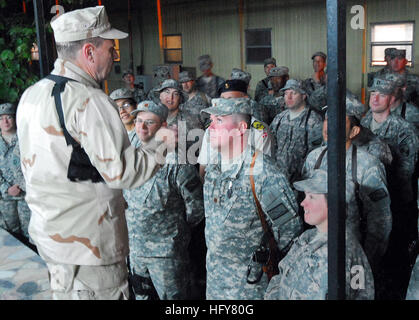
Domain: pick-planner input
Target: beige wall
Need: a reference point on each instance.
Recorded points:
(299, 28)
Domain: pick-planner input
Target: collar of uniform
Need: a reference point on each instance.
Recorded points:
(300, 116)
(67, 69)
(244, 159)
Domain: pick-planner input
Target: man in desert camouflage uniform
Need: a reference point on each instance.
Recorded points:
(368, 202)
(160, 215)
(124, 99)
(273, 103)
(197, 100)
(208, 82)
(297, 130)
(403, 142)
(14, 210)
(263, 85)
(74, 193)
(233, 231)
(303, 271)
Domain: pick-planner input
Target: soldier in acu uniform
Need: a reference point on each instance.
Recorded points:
(160, 216)
(263, 85)
(234, 234)
(303, 271)
(319, 77)
(137, 92)
(14, 210)
(208, 82)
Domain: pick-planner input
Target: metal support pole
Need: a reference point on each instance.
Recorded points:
(131, 50)
(41, 38)
(336, 93)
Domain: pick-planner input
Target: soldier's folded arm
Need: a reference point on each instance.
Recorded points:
(104, 138)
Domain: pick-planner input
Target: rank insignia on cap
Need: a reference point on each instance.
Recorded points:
(227, 86)
(146, 105)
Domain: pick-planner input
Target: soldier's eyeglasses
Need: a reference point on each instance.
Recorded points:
(125, 106)
(146, 122)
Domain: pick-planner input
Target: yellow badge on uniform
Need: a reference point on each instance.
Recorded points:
(257, 125)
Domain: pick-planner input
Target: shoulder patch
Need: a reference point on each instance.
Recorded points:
(257, 125)
(378, 195)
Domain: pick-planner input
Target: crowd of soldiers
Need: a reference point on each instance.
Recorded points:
(237, 208)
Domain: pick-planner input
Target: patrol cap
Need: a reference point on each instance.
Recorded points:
(241, 75)
(233, 85)
(171, 83)
(204, 62)
(126, 72)
(398, 79)
(317, 183)
(122, 93)
(319, 54)
(296, 85)
(269, 61)
(162, 72)
(398, 53)
(84, 24)
(150, 106)
(186, 76)
(389, 51)
(278, 72)
(225, 107)
(383, 86)
(7, 108)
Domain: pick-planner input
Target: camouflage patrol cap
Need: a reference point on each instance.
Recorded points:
(126, 72)
(7, 108)
(269, 61)
(150, 106)
(122, 93)
(278, 72)
(317, 183)
(383, 86)
(319, 54)
(354, 107)
(389, 51)
(171, 83)
(224, 107)
(84, 24)
(398, 79)
(398, 53)
(162, 72)
(293, 84)
(241, 75)
(204, 62)
(186, 76)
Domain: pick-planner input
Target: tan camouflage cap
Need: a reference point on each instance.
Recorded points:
(204, 62)
(319, 54)
(383, 86)
(84, 24)
(122, 93)
(150, 106)
(239, 74)
(296, 85)
(225, 107)
(171, 83)
(186, 76)
(7, 108)
(269, 61)
(278, 72)
(317, 183)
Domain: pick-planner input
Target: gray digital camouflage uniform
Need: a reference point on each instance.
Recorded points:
(409, 112)
(295, 139)
(413, 289)
(303, 271)
(193, 106)
(270, 106)
(233, 230)
(262, 89)
(374, 199)
(14, 210)
(209, 85)
(160, 215)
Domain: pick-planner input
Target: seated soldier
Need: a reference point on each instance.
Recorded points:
(303, 271)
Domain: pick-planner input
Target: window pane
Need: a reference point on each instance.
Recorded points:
(173, 42)
(258, 37)
(392, 32)
(257, 55)
(173, 55)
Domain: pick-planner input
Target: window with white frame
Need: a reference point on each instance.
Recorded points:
(391, 35)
